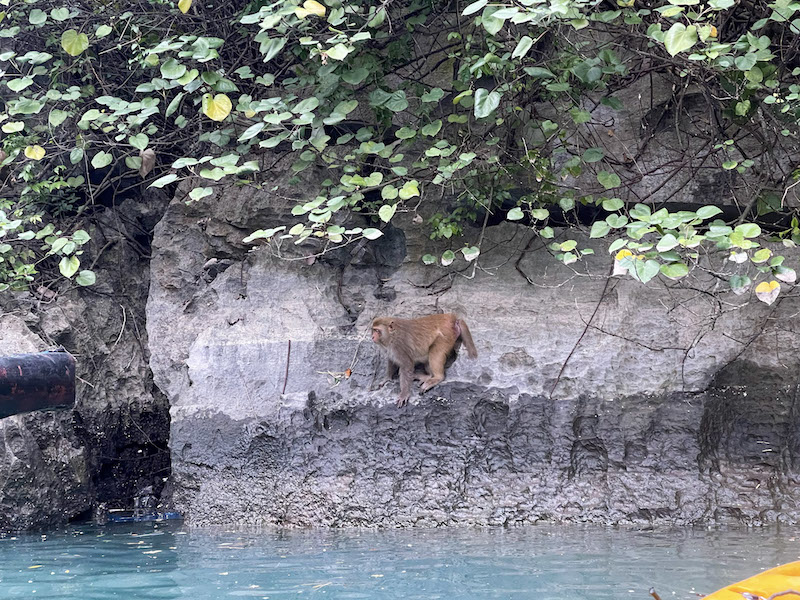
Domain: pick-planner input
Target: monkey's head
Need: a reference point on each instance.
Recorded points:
(382, 329)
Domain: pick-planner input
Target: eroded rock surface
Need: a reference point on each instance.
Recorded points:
(59, 464)
(593, 399)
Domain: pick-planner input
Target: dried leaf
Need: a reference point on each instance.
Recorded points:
(148, 157)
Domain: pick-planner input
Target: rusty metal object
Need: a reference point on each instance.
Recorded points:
(35, 381)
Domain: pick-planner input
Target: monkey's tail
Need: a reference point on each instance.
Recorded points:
(466, 337)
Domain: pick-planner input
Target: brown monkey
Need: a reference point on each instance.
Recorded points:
(426, 340)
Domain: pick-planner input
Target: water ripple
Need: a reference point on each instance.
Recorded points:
(157, 562)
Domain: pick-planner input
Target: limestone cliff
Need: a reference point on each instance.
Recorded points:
(593, 399)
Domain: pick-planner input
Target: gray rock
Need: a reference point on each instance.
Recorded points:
(593, 399)
(56, 465)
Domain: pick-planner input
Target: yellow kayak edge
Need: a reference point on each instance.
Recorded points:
(780, 579)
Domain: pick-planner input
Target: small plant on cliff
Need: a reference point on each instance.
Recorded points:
(475, 108)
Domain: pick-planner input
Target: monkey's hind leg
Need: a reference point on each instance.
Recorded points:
(436, 359)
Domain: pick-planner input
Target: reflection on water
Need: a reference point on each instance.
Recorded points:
(148, 561)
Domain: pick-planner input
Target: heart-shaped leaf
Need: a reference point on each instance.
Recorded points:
(767, 291)
(216, 107)
(680, 38)
(34, 152)
(485, 103)
(73, 42)
(386, 212)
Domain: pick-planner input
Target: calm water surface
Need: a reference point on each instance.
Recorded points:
(150, 561)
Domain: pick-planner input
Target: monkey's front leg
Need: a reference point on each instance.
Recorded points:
(391, 371)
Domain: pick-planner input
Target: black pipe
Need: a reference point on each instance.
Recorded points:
(35, 381)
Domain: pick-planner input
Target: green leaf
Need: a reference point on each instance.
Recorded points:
(355, 76)
(612, 204)
(431, 129)
(74, 43)
(346, 107)
(405, 133)
(761, 256)
(434, 95)
(592, 155)
(674, 270)
(740, 284)
(37, 17)
(608, 180)
(540, 73)
(680, 38)
(389, 192)
(706, 212)
(515, 214)
(474, 7)
(306, 105)
(490, 23)
(19, 84)
(252, 131)
(640, 212)
(172, 69)
(568, 245)
(646, 269)
(102, 31)
(429, 259)
(27, 106)
(485, 102)
(616, 245)
(69, 266)
(448, 256)
(372, 234)
(86, 278)
(471, 253)
(162, 181)
(409, 190)
(338, 52)
(746, 62)
(76, 155)
(173, 106)
(397, 101)
(523, 46)
(599, 229)
(139, 141)
(271, 47)
(101, 159)
(57, 117)
(60, 14)
(748, 230)
(386, 212)
(200, 192)
(668, 242)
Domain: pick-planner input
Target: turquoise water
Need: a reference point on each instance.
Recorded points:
(152, 561)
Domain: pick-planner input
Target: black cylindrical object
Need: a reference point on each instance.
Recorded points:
(34, 381)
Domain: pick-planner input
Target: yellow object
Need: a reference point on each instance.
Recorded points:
(780, 579)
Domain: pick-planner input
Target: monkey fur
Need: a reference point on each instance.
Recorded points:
(429, 340)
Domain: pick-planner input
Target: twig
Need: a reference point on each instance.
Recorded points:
(583, 333)
(121, 329)
(286, 375)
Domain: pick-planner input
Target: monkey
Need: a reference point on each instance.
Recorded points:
(426, 340)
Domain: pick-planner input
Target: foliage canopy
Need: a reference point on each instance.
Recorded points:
(404, 102)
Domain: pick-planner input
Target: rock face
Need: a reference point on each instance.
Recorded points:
(593, 399)
(58, 464)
